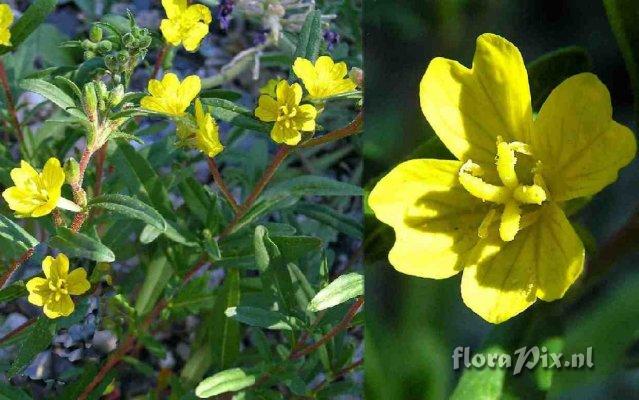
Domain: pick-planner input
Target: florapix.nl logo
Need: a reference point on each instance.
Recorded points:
(524, 357)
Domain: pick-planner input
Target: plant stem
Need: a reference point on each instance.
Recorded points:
(219, 181)
(16, 331)
(159, 61)
(11, 107)
(341, 326)
(279, 157)
(14, 265)
(354, 127)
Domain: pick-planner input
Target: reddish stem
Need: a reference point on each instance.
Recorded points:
(354, 127)
(4, 81)
(14, 265)
(100, 157)
(219, 181)
(279, 157)
(159, 61)
(17, 331)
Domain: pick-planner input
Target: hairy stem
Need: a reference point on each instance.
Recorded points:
(11, 106)
(219, 181)
(14, 266)
(351, 129)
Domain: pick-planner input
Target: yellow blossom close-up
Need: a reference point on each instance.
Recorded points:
(325, 78)
(53, 292)
(496, 213)
(185, 24)
(37, 193)
(291, 118)
(170, 96)
(6, 19)
(207, 135)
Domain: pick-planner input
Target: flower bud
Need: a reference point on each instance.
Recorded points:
(128, 40)
(357, 76)
(71, 171)
(122, 56)
(95, 34)
(90, 101)
(88, 55)
(116, 95)
(105, 46)
(111, 63)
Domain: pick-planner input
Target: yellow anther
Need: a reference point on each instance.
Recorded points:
(480, 189)
(533, 194)
(509, 225)
(506, 161)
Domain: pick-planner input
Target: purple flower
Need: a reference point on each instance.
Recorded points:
(331, 38)
(224, 11)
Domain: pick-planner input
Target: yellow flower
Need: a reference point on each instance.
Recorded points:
(53, 292)
(269, 88)
(285, 110)
(325, 78)
(170, 96)
(37, 194)
(185, 24)
(6, 19)
(207, 136)
(496, 211)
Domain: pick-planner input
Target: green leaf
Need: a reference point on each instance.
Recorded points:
(260, 317)
(235, 115)
(54, 94)
(481, 384)
(12, 393)
(30, 20)
(158, 274)
(308, 185)
(274, 274)
(38, 339)
(230, 95)
(15, 233)
(81, 246)
(231, 380)
(225, 335)
(13, 291)
(624, 20)
(548, 71)
(330, 217)
(310, 38)
(342, 289)
(130, 207)
(294, 247)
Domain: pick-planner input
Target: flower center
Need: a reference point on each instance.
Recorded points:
(285, 116)
(513, 195)
(58, 288)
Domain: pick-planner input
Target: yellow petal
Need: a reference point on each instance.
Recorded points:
(435, 219)
(174, 8)
(305, 118)
(580, 146)
(281, 134)
(153, 104)
(194, 36)
(267, 109)
(470, 108)
(189, 89)
(21, 201)
(77, 282)
(38, 291)
(61, 308)
(53, 175)
(560, 254)
(304, 70)
(199, 12)
(24, 174)
(171, 31)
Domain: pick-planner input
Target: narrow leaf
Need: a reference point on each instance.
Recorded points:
(158, 274)
(15, 233)
(230, 380)
(130, 207)
(342, 289)
(54, 94)
(262, 318)
(30, 20)
(81, 246)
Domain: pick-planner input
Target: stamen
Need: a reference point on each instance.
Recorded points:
(506, 161)
(482, 232)
(533, 194)
(510, 221)
(478, 188)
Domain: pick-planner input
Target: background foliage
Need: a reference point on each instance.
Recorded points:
(414, 324)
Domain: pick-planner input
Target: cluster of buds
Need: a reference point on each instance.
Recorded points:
(95, 45)
(97, 98)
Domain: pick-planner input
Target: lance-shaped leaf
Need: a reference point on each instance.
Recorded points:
(262, 318)
(81, 246)
(54, 94)
(130, 207)
(230, 380)
(342, 289)
(28, 22)
(15, 233)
